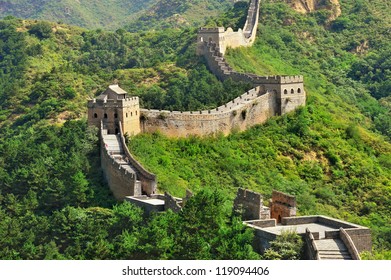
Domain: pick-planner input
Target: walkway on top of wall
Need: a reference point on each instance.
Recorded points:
(114, 147)
(332, 249)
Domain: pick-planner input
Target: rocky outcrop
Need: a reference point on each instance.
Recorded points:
(308, 6)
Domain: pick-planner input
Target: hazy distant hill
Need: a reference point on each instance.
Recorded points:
(113, 14)
(108, 14)
(178, 13)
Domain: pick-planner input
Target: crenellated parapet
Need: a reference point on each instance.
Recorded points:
(227, 38)
(249, 109)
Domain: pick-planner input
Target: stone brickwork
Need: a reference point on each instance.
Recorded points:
(289, 90)
(172, 203)
(149, 204)
(251, 108)
(362, 238)
(282, 205)
(147, 179)
(251, 205)
(264, 223)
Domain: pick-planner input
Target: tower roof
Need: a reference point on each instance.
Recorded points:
(112, 92)
(116, 89)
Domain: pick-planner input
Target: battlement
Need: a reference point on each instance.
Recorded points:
(211, 29)
(278, 79)
(228, 38)
(249, 196)
(282, 205)
(283, 198)
(128, 100)
(250, 204)
(218, 112)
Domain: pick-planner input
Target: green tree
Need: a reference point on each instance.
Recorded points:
(42, 29)
(287, 246)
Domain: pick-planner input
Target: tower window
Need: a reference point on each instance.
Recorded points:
(136, 113)
(285, 92)
(115, 115)
(105, 116)
(299, 90)
(292, 91)
(126, 114)
(131, 114)
(95, 115)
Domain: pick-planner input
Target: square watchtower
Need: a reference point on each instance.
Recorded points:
(112, 107)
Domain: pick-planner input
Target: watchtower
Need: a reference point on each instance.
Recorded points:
(113, 106)
(291, 94)
(211, 35)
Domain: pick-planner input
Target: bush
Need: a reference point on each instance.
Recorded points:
(287, 246)
(43, 30)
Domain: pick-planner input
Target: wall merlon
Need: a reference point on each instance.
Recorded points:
(211, 29)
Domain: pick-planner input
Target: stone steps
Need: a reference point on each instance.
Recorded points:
(113, 144)
(332, 249)
(114, 147)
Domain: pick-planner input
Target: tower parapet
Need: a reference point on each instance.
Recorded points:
(113, 107)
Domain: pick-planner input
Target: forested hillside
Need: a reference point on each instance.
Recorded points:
(108, 14)
(114, 14)
(179, 14)
(334, 154)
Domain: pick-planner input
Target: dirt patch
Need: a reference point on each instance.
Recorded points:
(308, 6)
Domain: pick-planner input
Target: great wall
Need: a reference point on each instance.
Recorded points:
(117, 114)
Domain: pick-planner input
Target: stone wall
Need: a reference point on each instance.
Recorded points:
(172, 203)
(247, 110)
(361, 238)
(262, 238)
(250, 203)
(121, 182)
(143, 202)
(287, 221)
(263, 223)
(282, 205)
(147, 179)
(347, 240)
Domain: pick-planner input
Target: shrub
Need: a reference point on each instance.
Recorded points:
(43, 30)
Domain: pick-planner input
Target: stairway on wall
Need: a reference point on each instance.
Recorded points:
(113, 144)
(332, 249)
(114, 147)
